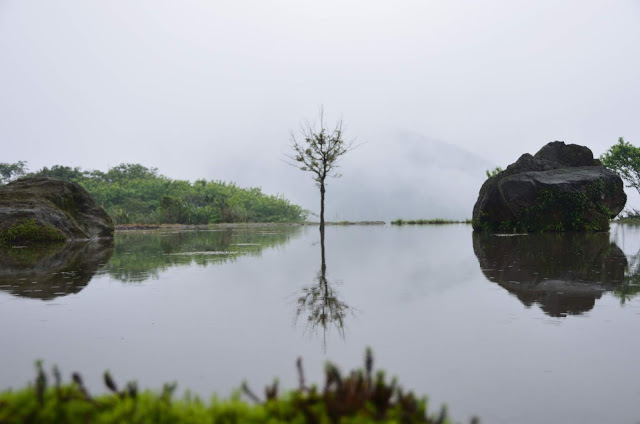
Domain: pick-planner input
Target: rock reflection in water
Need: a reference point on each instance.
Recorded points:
(50, 271)
(320, 305)
(563, 273)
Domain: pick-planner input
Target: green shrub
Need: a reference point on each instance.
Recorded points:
(363, 396)
(132, 193)
(493, 172)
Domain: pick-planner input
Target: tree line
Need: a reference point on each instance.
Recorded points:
(133, 193)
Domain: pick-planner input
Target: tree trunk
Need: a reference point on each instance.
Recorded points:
(322, 190)
(323, 267)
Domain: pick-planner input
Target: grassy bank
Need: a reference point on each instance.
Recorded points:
(435, 221)
(632, 221)
(628, 216)
(132, 193)
(362, 396)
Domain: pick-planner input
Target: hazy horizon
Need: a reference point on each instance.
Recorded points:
(212, 90)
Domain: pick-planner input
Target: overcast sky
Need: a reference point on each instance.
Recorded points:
(437, 91)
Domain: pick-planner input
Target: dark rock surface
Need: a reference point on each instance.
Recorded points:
(563, 273)
(63, 206)
(53, 270)
(560, 188)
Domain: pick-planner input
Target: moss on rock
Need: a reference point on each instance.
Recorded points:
(561, 188)
(46, 209)
(28, 231)
(559, 211)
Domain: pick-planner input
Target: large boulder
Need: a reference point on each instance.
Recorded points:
(560, 188)
(47, 209)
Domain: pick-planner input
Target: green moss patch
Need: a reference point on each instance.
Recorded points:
(562, 211)
(28, 231)
(558, 211)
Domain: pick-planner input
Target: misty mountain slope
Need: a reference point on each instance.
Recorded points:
(403, 175)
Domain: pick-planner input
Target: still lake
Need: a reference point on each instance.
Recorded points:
(517, 329)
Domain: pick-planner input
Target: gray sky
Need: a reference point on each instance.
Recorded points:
(437, 91)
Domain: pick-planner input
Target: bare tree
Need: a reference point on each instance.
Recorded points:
(318, 150)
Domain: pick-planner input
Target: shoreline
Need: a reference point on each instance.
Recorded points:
(142, 227)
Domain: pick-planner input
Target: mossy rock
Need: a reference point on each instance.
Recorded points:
(559, 189)
(36, 210)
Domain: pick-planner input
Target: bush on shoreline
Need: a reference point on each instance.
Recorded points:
(132, 193)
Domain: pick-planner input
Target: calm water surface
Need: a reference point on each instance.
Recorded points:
(519, 329)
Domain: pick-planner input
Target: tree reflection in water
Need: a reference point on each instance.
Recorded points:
(320, 305)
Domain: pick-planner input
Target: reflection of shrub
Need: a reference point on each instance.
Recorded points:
(30, 256)
(630, 287)
(27, 231)
(627, 290)
(360, 397)
(139, 256)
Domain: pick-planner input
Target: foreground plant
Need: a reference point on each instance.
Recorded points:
(360, 397)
